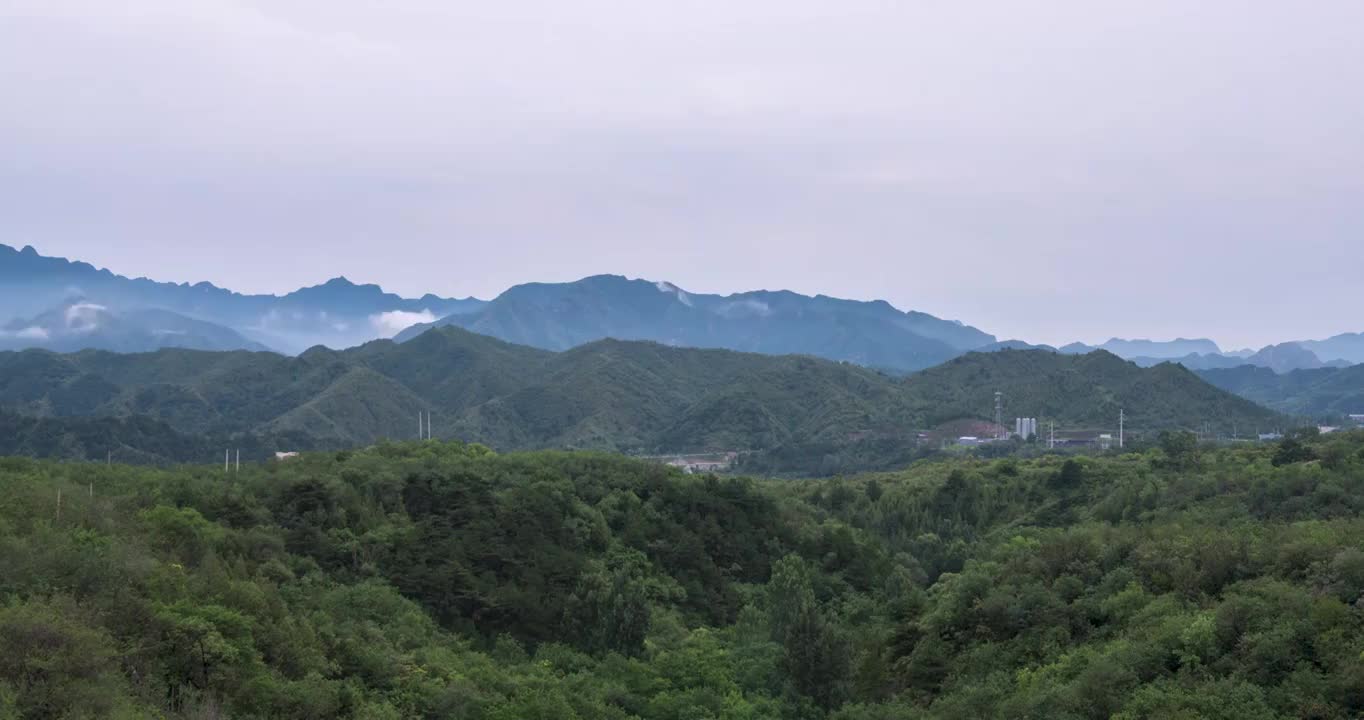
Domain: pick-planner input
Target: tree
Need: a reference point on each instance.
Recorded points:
(789, 594)
(1070, 476)
(56, 665)
(609, 610)
(874, 490)
(1180, 447)
(817, 658)
(1292, 450)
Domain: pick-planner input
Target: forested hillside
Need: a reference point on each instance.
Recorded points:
(441, 580)
(135, 439)
(791, 413)
(1321, 392)
(1086, 390)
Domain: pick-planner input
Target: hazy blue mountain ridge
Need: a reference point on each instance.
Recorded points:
(338, 313)
(559, 316)
(82, 324)
(37, 292)
(1346, 346)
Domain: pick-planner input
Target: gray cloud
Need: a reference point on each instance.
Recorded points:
(1052, 170)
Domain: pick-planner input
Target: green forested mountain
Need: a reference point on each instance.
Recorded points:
(800, 413)
(1319, 392)
(1085, 390)
(439, 580)
(134, 439)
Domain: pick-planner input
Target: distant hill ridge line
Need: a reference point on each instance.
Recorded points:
(31, 256)
(874, 333)
(336, 312)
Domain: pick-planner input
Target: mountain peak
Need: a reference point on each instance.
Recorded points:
(27, 252)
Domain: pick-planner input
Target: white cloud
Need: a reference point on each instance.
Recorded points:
(667, 287)
(28, 333)
(393, 322)
(744, 308)
(83, 317)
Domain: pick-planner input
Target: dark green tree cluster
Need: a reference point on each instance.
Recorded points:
(441, 580)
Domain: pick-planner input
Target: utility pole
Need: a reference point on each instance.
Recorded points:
(999, 411)
(227, 454)
(1051, 437)
(239, 461)
(1121, 417)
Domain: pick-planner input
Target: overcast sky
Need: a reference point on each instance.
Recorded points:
(1045, 170)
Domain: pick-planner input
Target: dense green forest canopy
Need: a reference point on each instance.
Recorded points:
(442, 580)
(794, 414)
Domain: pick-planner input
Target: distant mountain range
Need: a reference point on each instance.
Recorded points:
(62, 305)
(1204, 354)
(794, 413)
(1165, 349)
(1348, 347)
(82, 324)
(1281, 358)
(337, 313)
(560, 316)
